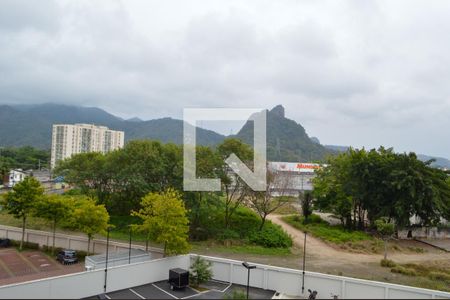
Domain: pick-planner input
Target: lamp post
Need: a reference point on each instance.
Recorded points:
(106, 261)
(129, 249)
(248, 267)
(304, 258)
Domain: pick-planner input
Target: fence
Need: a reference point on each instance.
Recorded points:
(73, 242)
(283, 280)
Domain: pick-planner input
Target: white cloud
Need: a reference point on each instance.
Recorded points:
(352, 72)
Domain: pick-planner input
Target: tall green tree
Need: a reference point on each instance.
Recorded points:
(164, 217)
(21, 201)
(89, 218)
(235, 189)
(307, 208)
(90, 172)
(200, 204)
(54, 208)
(362, 184)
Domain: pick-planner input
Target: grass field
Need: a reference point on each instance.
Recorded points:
(321, 229)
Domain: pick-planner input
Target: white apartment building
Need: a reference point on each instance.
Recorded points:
(68, 139)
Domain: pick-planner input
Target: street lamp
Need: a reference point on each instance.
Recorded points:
(129, 249)
(248, 267)
(106, 261)
(304, 258)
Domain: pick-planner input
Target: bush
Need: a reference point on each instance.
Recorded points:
(200, 271)
(272, 236)
(237, 294)
(26, 245)
(387, 263)
(315, 219)
(439, 276)
(404, 271)
(227, 234)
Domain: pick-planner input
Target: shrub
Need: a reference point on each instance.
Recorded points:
(439, 276)
(26, 245)
(387, 263)
(404, 271)
(237, 294)
(315, 219)
(272, 236)
(200, 271)
(227, 234)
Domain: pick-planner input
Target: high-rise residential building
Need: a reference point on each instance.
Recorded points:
(68, 139)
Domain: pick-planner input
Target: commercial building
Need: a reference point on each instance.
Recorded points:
(68, 139)
(292, 178)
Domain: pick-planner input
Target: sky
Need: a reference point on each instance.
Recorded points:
(360, 73)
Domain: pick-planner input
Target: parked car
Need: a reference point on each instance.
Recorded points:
(67, 257)
(5, 243)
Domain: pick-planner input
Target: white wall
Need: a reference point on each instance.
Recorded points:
(289, 281)
(86, 284)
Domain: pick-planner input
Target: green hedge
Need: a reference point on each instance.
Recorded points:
(272, 236)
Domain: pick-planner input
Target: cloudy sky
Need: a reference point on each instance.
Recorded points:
(361, 73)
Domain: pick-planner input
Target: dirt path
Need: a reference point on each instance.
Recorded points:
(322, 252)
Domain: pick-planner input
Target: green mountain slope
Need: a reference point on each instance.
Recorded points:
(286, 139)
(31, 125)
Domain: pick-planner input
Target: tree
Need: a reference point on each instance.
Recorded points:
(89, 218)
(90, 172)
(21, 200)
(5, 167)
(386, 229)
(54, 208)
(362, 186)
(200, 203)
(164, 218)
(235, 188)
(263, 202)
(200, 271)
(307, 205)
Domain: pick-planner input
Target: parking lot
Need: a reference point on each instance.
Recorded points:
(210, 290)
(28, 265)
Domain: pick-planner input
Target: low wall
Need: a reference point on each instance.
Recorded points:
(425, 233)
(69, 241)
(289, 281)
(87, 284)
(283, 280)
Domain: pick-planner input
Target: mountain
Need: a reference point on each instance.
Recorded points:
(286, 139)
(135, 119)
(337, 148)
(439, 162)
(22, 125)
